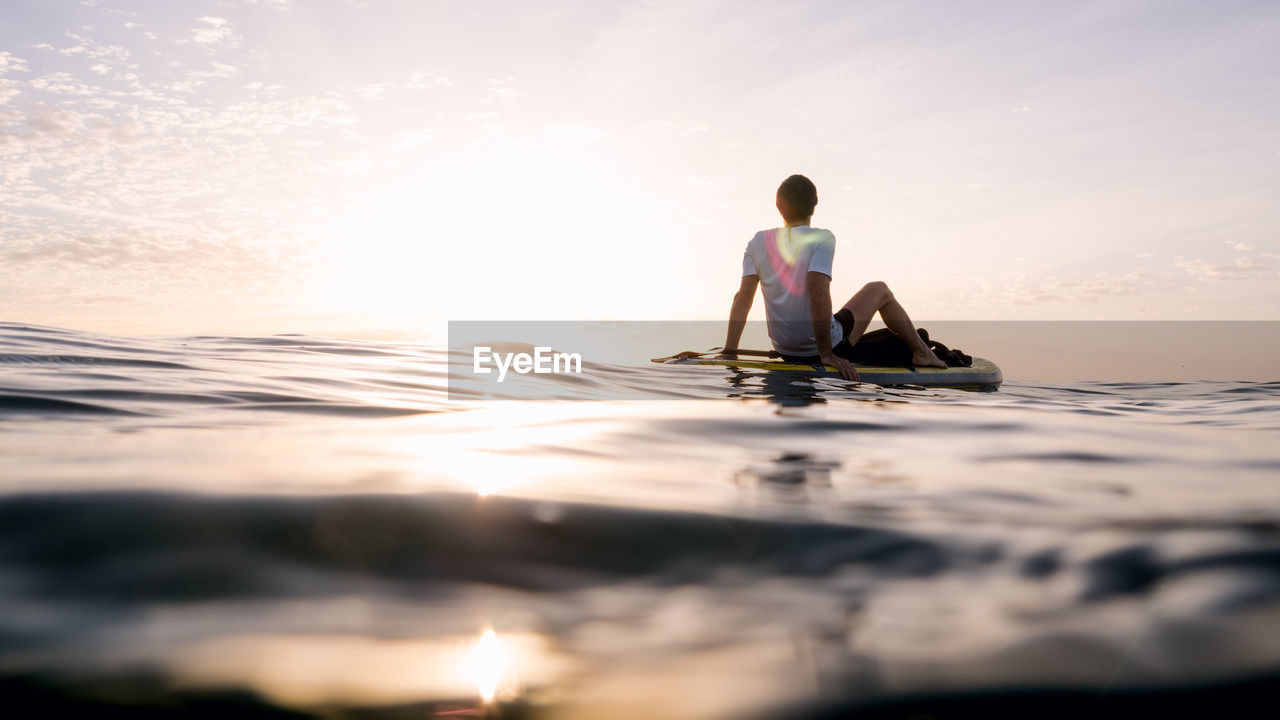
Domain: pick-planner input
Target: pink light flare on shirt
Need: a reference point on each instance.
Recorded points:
(783, 260)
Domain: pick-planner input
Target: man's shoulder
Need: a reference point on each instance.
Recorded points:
(758, 238)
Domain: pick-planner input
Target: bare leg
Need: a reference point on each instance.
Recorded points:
(876, 297)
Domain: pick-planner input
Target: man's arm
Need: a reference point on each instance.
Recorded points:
(738, 313)
(819, 287)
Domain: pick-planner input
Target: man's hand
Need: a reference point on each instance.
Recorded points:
(819, 287)
(844, 366)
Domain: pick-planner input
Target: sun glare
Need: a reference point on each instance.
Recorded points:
(505, 446)
(501, 239)
(315, 670)
(487, 665)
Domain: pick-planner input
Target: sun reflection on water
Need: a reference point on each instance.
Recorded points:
(309, 671)
(487, 665)
(507, 446)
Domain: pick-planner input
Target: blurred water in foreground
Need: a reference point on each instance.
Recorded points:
(300, 525)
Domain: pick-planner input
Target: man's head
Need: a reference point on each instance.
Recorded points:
(797, 197)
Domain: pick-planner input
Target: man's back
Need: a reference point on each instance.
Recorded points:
(782, 258)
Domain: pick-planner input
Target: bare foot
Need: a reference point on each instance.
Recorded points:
(926, 359)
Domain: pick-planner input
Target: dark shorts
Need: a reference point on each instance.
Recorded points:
(841, 349)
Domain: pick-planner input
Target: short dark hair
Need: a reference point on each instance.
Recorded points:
(800, 193)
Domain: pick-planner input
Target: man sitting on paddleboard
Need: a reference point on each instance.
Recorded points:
(792, 265)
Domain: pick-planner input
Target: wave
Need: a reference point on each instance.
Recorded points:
(22, 404)
(296, 374)
(60, 372)
(205, 522)
(107, 569)
(148, 546)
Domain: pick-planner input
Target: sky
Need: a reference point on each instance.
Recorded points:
(373, 167)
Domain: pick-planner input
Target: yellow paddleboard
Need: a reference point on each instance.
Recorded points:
(983, 375)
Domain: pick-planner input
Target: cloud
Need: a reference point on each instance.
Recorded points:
(153, 268)
(1018, 290)
(373, 91)
(218, 70)
(54, 122)
(18, 200)
(61, 83)
(10, 63)
(107, 300)
(137, 149)
(1245, 267)
(215, 31)
(501, 90)
(425, 80)
(118, 53)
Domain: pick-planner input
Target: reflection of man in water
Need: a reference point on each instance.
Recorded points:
(782, 389)
(792, 266)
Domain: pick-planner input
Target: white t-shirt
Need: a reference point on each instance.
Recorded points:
(782, 258)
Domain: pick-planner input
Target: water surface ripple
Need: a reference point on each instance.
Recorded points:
(312, 525)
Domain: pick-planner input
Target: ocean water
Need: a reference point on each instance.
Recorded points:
(303, 526)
